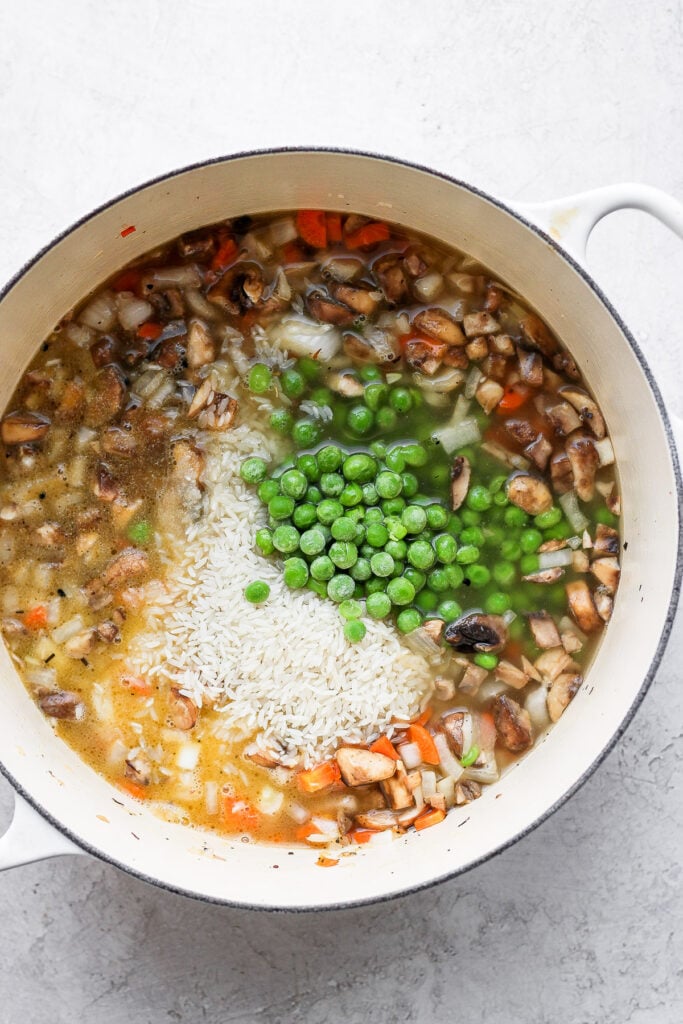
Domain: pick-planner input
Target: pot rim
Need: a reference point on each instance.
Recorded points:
(677, 579)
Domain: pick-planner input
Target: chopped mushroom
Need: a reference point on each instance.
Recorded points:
(513, 723)
(361, 298)
(473, 678)
(105, 486)
(477, 349)
(328, 310)
(434, 628)
(553, 662)
(571, 641)
(201, 348)
(511, 675)
(584, 461)
(606, 541)
(182, 712)
(538, 335)
(604, 603)
(377, 348)
(360, 767)
(480, 323)
(81, 644)
(545, 575)
(582, 606)
(466, 791)
(461, 473)
(613, 501)
(539, 451)
(477, 632)
(489, 394)
(561, 693)
(589, 414)
(561, 473)
(23, 427)
(345, 384)
(563, 418)
(109, 392)
(424, 356)
(397, 790)
(607, 571)
(139, 769)
(377, 820)
(458, 728)
(128, 564)
(391, 277)
(439, 324)
(240, 288)
(530, 368)
(529, 493)
(265, 757)
(62, 704)
(545, 633)
(521, 431)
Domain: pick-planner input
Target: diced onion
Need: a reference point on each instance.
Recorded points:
(605, 451)
(133, 312)
(269, 800)
(85, 435)
(298, 813)
(283, 231)
(509, 616)
(462, 434)
(187, 756)
(446, 787)
(570, 506)
(472, 382)
(79, 334)
(256, 246)
(428, 783)
(551, 559)
(429, 286)
(100, 313)
(537, 707)
(305, 337)
(451, 766)
(68, 629)
(410, 755)
(211, 797)
(440, 383)
(488, 772)
(574, 543)
(175, 277)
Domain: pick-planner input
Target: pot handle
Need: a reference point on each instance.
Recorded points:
(30, 838)
(570, 220)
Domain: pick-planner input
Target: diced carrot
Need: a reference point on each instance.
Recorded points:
(487, 731)
(327, 862)
(513, 398)
(361, 836)
(128, 281)
(132, 788)
(424, 717)
(368, 234)
(436, 347)
(334, 228)
(293, 253)
(150, 331)
(128, 231)
(419, 735)
(225, 254)
(431, 817)
(320, 777)
(36, 617)
(383, 745)
(239, 815)
(137, 685)
(306, 830)
(312, 227)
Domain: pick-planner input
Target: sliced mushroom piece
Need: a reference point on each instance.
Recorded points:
(444, 688)
(343, 269)
(439, 324)
(466, 791)
(391, 276)
(139, 769)
(584, 460)
(587, 408)
(489, 394)
(63, 704)
(561, 473)
(477, 349)
(105, 486)
(521, 431)
(415, 261)
(182, 712)
(461, 473)
(456, 358)
(360, 767)
(361, 298)
(530, 367)
(109, 393)
(328, 310)
(511, 675)
(529, 493)
(81, 644)
(125, 566)
(561, 693)
(613, 501)
(397, 791)
(424, 356)
(120, 442)
(513, 723)
(606, 541)
(472, 679)
(12, 626)
(539, 451)
(501, 344)
(23, 427)
(538, 335)
(201, 398)
(377, 820)
(604, 603)
(477, 632)
(571, 641)
(201, 348)
(345, 384)
(552, 663)
(374, 347)
(196, 245)
(434, 628)
(545, 575)
(552, 545)
(480, 323)
(563, 418)
(607, 571)
(531, 670)
(458, 728)
(582, 606)
(240, 288)
(545, 633)
(108, 632)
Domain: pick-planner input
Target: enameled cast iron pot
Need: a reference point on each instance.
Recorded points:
(62, 806)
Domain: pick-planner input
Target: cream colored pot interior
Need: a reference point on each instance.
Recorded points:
(122, 830)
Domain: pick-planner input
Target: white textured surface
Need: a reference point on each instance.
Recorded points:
(582, 920)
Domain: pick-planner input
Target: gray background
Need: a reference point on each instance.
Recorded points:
(581, 921)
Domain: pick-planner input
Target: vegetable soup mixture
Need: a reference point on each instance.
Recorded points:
(308, 529)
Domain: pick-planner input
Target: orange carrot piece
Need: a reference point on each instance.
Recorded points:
(36, 617)
(383, 745)
(150, 331)
(224, 255)
(327, 862)
(293, 253)
(239, 816)
(514, 398)
(132, 788)
(419, 735)
(303, 832)
(431, 817)
(320, 777)
(368, 234)
(424, 717)
(128, 281)
(361, 836)
(312, 227)
(137, 685)
(334, 228)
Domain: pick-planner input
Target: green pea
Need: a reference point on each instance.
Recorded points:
(427, 600)
(343, 553)
(281, 506)
(605, 517)
(417, 578)
(317, 587)
(467, 555)
(479, 576)
(378, 605)
(295, 573)
(373, 515)
(501, 499)
(327, 460)
(497, 603)
(312, 542)
(378, 449)
(438, 580)
(264, 541)
(140, 532)
(504, 573)
(367, 550)
(293, 483)
(559, 532)
(386, 419)
(454, 525)
(388, 484)
(267, 490)
(360, 420)
(305, 433)
(332, 484)
(400, 591)
(354, 630)
(257, 592)
(497, 484)
(410, 484)
(375, 585)
(322, 568)
(516, 517)
(544, 520)
(511, 550)
(456, 575)
(470, 517)
(292, 383)
(446, 548)
(395, 461)
(254, 470)
(310, 369)
(328, 510)
(473, 753)
(260, 379)
(530, 541)
(370, 495)
(351, 495)
(472, 535)
(489, 662)
(361, 570)
(408, 620)
(382, 564)
(314, 495)
(493, 536)
(439, 477)
(282, 421)
(414, 518)
(285, 539)
(479, 498)
(449, 610)
(340, 588)
(437, 517)
(528, 564)
(369, 373)
(359, 468)
(414, 454)
(397, 530)
(322, 396)
(377, 535)
(400, 400)
(398, 549)
(375, 395)
(421, 554)
(393, 507)
(344, 529)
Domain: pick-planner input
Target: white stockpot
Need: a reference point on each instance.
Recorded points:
(63, 806)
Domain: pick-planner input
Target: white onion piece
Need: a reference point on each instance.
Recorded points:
(472, 382)
(133, 311)
(42, 677)
(605, 451)
(574, 543)
(282, 289)
(570, 506)
(440, 383)
(257, 246)
(552, 559)
(451, 766)
(410, 755)
(187, 756)
(305, 337)
(428, 783)
(201, 306)
(174, 277)
(283, 231)
(488, 772)
(100, 313)
(211, 797)
(537, 707)
(270, 800)
(298, 813)
(68, 629)
(79, 334)
(446, 787)
(464, 433)
(428, 287)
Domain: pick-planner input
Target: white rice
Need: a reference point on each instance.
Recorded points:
(281, 672)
